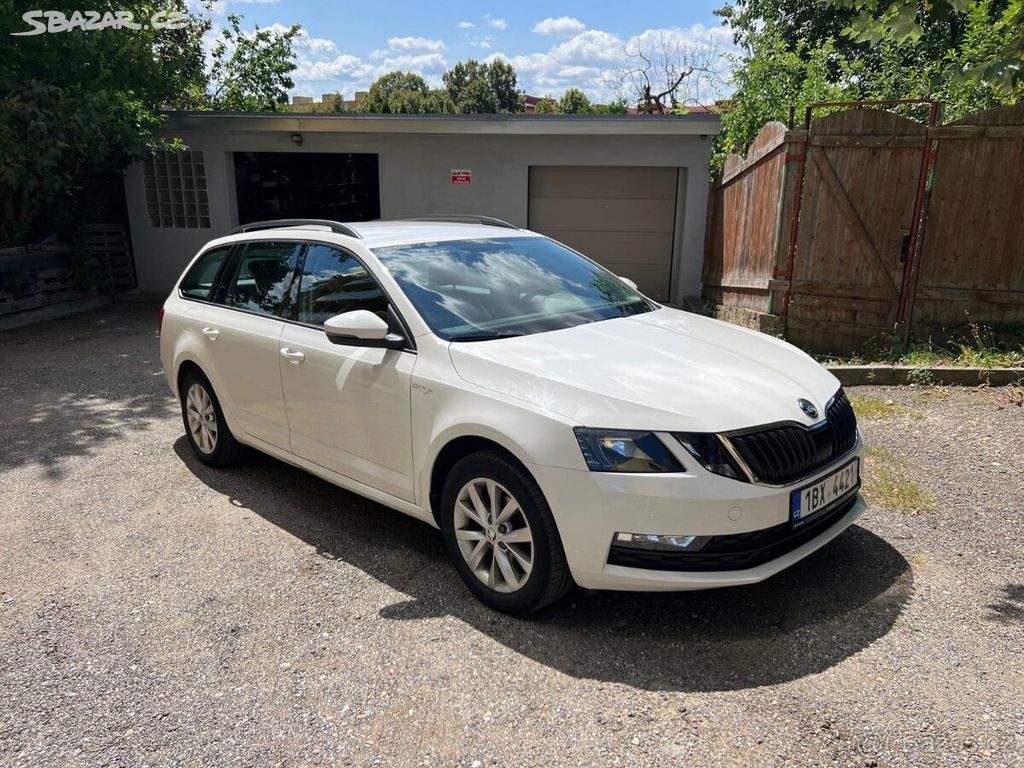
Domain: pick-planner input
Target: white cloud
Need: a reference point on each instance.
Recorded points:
(592, 59)
(348, 73)
(304, 41)
(343, 64)
(497, 23)
(587, 59)
(466, 25)
(422, 64)
(415, 44)
(560, 27)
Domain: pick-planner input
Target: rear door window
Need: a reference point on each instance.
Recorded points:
(262, 276)
(199, 281)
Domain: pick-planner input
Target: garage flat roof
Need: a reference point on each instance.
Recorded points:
(566, 125)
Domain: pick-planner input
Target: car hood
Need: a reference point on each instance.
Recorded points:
(662, 370)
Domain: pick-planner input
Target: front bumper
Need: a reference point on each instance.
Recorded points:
(591, 507)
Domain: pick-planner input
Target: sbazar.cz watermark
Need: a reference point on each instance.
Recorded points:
(91, 21)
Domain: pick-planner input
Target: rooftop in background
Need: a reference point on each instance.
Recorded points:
(329, 103)
(518, 124)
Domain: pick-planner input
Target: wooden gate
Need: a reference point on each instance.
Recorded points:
(855, 227)
(865, 225)
(972, 257)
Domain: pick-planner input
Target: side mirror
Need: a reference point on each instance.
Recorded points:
(628, 282)
(361, 328)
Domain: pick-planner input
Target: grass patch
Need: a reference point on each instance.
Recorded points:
(873, 408)
(973, 345)
(888, 485)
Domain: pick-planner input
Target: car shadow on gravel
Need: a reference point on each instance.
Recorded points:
(805, 620)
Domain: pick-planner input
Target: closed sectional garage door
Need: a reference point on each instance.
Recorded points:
(622, 217)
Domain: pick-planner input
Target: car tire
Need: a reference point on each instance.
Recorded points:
(515, 564)
(205, 426)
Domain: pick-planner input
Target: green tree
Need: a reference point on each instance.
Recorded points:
(501, 76)
(616, 106)
(858, 49)
(574, 102)
(794, 23)
(477, 88)
(477, 98)
(996, 58)
(78, 106)
(769, 82)
(546, 106)
(251, 71)
(404, 93)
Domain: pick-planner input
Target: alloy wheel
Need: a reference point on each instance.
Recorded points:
(202, 419)
(494, 535)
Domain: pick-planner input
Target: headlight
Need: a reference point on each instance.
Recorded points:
(709, 451)
(614, 450)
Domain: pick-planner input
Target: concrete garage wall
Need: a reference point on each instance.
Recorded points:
(415, 178)
(161, 253)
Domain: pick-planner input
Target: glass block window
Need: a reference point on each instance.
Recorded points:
(176, 190)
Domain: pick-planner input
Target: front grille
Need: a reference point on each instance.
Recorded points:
(783, 455)
(738, 551)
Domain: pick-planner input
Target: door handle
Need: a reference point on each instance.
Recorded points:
(292, 356)
(211, 333)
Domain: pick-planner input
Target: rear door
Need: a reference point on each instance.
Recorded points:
(348, 406)
(242, 329)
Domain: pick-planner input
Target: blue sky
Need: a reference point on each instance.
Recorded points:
(553, 45)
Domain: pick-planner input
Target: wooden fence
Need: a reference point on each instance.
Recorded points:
(33, 278)
(866, 224)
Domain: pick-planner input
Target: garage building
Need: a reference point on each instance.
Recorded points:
(628, 191)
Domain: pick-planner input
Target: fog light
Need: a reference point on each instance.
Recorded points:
(664, 543)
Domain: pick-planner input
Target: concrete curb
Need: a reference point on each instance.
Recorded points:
(57, 311)
(853, 375)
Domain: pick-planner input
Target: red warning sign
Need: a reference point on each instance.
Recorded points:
(462, 176)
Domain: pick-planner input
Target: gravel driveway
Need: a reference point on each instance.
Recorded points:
(157, 612)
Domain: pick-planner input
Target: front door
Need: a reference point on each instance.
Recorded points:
(348, 407)
(242, 329)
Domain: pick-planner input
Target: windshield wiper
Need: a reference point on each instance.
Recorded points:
(487, 336)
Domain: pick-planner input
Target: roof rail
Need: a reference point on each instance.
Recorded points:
(334, 226)
(462, 218)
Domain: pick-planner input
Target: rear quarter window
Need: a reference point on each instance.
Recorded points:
(199, 281)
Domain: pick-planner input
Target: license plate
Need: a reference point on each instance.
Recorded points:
(811, 499)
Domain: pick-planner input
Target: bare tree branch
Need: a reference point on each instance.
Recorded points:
(665, 73)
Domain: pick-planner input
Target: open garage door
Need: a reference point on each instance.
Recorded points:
(622, 217)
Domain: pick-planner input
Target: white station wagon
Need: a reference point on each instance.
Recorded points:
(558, 426)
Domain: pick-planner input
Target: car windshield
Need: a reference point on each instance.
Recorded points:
(475, 290)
